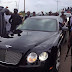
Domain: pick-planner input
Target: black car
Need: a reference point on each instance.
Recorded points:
(36, 50)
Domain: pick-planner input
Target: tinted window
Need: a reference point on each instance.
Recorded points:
(39, 24)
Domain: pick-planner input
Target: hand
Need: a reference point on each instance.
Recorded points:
(63, 23)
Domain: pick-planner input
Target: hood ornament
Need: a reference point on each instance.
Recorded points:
(8, 46)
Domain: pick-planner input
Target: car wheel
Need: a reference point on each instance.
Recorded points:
(58, 59)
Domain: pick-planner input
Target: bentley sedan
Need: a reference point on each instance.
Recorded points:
(36, 50)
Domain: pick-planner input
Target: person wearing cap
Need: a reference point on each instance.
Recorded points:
(15, 20)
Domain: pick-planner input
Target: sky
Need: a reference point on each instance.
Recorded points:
(36, 5)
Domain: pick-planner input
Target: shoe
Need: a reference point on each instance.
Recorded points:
(12, 34)
(7, 37)
(19, 35)
(0, 41)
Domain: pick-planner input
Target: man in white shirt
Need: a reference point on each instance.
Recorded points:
(8, 25)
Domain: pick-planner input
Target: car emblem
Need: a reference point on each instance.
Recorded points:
(8, 46)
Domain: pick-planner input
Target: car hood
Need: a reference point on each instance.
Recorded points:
(27, 41)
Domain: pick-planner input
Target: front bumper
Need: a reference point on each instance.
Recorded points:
(19, 69)
(38, 68)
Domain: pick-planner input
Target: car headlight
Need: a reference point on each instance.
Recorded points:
(43, 56)
(32, 57)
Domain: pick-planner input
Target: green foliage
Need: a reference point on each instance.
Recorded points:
(22, 12)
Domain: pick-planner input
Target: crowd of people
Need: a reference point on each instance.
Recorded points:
(14, 19)
(68, 10)
(69, 25)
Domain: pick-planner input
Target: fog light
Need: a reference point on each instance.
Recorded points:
(50, 68)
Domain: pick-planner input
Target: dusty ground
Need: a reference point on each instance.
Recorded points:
(65, 66)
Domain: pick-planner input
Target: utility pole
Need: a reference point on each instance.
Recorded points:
(24, 6)
(57, 5)
(16, 3)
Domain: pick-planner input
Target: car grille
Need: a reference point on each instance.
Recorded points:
(10, 57)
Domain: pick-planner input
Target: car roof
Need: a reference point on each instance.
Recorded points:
(50, 17)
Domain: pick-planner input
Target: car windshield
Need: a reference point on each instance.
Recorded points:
(39, 24)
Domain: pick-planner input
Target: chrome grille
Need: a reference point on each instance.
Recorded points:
(10, 57)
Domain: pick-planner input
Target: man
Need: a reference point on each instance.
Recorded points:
(1, 7)
(28, 15)
(70, 24)
(63, 16)
(70, 36)
(2, 21)
(34, 14)
(69, 46)
(57, 14)
(15, 20)
(61, 23)
(50, 13)
(42, 13)
(8, 25)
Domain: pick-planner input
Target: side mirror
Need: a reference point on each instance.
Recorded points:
(64, 28)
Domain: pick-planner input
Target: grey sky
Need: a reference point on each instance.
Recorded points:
(36, 5)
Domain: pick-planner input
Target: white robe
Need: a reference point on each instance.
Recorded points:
(8, 25)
